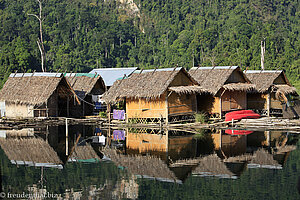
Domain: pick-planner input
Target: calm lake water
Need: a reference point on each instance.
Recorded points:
(94, 163)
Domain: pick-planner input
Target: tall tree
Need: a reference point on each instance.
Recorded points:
(40, 41)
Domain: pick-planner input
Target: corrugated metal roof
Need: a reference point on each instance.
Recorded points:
(160, 69)
(262, 71)
(216, 67)
(47, 74)
(80, 74)
(110, 75)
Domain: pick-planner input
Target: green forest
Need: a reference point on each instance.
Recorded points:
(80, 35)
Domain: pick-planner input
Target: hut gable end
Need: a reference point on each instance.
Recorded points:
(84, 84)
(33, 90)
(215, 78)
(265, 80)
(237, 76)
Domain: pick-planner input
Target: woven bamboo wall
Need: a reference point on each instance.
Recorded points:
(18, 110)
(142, 108)
(232, 100)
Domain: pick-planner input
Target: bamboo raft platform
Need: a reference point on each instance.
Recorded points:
(262, 124)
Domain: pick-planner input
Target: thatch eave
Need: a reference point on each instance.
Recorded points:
(192, 89)
(285, 89)
(244, 87)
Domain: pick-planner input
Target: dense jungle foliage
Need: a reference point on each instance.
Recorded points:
(83, 34)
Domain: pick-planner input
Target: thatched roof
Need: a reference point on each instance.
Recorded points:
(215, 78)
(85, 152)
(264, 80)
(30, 151)
(263, 159)
(212, 165)
(145, 166)
(148, 85)
(34, 88)
(84, 83)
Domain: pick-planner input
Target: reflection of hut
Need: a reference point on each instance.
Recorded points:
(88, 88)
(228, 88)
(144, 166)
(263, 159)
(212, 165)
(267, 139)
(229, 145)
(25, 132)
(163, 146)
(159, 94)
(272, 88)
(31, 151)
(84, 153)
(153, 144)
(282, 153)
(37, 94)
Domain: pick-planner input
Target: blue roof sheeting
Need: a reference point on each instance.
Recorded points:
(110, 75)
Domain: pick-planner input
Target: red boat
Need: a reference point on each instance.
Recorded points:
(238, 132)
(241, 114)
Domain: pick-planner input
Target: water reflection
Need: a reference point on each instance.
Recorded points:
(91, 161)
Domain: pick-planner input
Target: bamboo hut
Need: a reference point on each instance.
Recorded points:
(160, 94)
(31, 152)
(272, 89)
(89, 89)
(37, 95)
(228, 88)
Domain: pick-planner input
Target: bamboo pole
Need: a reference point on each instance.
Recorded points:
(67, 137)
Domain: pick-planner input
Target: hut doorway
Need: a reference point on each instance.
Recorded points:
(205, 103)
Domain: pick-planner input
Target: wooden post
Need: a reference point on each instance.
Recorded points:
(268, 138)
(67, 137)
(167, 144)
(167, 109)
(47, 111)
(220, 107)
(108, 108)
(68, 111)
(56, 106)
(83, 108)
(268, 104)
(196, 106)
(220, 139)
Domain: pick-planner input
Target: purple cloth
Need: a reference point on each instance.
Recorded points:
(119, 135)
(119, 114)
